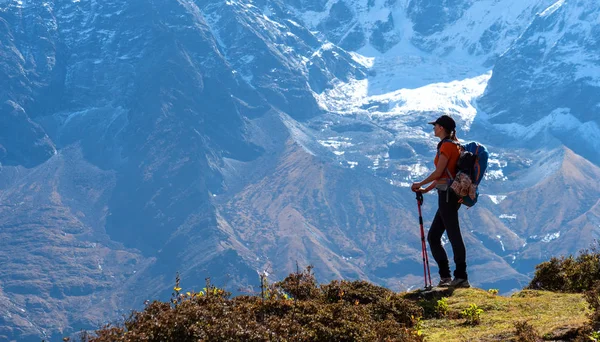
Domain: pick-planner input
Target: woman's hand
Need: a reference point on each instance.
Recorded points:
(416, 186)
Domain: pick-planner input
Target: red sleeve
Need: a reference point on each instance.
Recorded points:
(446, 149)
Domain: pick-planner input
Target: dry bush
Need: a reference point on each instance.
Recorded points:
(525, 332)
(339, 311)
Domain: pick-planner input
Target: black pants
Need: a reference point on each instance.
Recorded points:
(446, 219)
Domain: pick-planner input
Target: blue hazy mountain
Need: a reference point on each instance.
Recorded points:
(224, 138)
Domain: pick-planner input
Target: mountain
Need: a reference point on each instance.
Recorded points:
(221, 139)
(136, 155)
(551, 75)
(23, 141)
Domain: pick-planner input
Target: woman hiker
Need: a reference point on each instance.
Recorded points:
(446, 217)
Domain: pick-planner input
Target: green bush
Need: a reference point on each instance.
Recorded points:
(339, 311)
(592, 296)
(568, 274)
(594, 336)
(493, 292)
(472, 315)
(442, 308)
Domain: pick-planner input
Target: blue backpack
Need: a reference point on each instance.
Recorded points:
(473, 161)
(477, 171)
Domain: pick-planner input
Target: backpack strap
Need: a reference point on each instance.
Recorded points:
(477, 166)
(449, 174)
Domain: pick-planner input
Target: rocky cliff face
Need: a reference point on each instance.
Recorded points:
(551, 76)
(26, 65)
(142, 100)
(434, 16)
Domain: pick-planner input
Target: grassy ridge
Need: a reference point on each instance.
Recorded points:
(299, 309)
(552, 315)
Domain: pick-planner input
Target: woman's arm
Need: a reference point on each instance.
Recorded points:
(437, 173)
(426, 190)
(430, 187)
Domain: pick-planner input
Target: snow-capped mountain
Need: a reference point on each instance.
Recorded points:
(222, 138)
(552, 76)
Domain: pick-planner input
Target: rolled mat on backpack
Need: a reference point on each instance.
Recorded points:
(467, 189)
(463, 186)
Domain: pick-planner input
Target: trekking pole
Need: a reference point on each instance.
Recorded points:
(426, 270)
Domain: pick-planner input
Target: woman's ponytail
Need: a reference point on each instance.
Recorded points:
(453, 135)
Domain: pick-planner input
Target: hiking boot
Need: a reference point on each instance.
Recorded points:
(459, 282)
(445, 282)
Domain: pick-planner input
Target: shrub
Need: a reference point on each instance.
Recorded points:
(594, 336)
(301, 285)
(472, 315)
(591, 332)
(493, 292)
(351, 292)
(339, 311)
(428, 301)
(525, 332)
(442, 307)
(592, 296)
(568, 274)
(396, 308)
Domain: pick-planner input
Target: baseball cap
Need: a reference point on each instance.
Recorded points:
(445, 121)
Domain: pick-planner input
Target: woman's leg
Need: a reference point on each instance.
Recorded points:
(434, 237)
(449, 215)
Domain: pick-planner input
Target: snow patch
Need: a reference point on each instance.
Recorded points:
(345, 97)
(337, 142)
(454, 98)
(508, 217)
(494, 161)
(497, 199)
(495, 175)
(550, 237)
(367, 62)
(501, 243)
(548, 11)
(415, 170)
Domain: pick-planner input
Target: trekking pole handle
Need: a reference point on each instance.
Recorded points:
(420, 197)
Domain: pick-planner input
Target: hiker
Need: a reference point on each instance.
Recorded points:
(446, 217)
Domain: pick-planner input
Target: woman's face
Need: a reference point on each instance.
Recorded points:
(437, 130)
